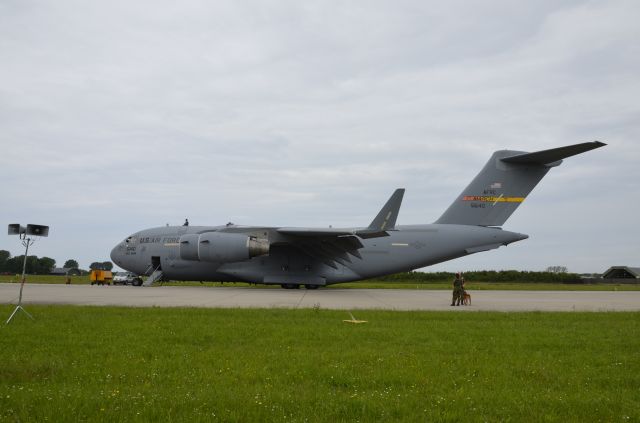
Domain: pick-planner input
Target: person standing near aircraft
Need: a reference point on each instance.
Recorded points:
(458, 283)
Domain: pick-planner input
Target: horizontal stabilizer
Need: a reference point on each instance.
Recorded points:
(548, 157)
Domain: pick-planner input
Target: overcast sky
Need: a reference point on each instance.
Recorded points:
(118, 116)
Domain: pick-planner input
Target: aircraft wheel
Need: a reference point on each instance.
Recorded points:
(290, 286)
(308, 286)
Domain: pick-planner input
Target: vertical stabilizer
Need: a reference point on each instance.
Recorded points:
(503, 184)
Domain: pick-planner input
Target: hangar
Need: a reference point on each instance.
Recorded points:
(65, 271)
(622, 272)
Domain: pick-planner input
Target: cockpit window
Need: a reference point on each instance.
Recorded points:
(131, 240)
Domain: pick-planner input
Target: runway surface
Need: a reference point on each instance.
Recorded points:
(340, 299)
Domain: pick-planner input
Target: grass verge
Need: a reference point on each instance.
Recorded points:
(128, 364)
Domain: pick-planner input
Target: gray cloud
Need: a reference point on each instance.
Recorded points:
(119, 116)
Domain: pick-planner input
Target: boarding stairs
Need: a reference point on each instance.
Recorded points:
(154, 277)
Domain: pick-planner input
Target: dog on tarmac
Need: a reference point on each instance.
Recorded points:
(466, 299)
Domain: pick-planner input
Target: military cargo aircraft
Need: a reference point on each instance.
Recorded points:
(315, 257)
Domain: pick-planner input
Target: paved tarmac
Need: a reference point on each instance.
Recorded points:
(339, 299)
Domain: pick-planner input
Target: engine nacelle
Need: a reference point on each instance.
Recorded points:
(189, 247)
(221, 247)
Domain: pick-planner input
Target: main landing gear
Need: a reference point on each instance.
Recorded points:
(297, 286)
(290, 286)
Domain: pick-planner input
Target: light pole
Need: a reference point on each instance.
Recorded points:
(28, 236)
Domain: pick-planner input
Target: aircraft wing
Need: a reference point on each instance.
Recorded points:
(329, 248)
(316, 232)
(333, 245)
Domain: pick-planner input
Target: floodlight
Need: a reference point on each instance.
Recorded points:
(16, 229)
(25, 235)
(37, 230)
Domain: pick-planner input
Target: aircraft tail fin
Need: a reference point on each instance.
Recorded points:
(503, 184)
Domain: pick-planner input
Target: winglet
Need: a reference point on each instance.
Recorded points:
(386, 218)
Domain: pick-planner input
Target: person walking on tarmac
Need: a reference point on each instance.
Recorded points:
(458, 290)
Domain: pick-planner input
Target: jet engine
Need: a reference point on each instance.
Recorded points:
(221, 247)
(189, 247)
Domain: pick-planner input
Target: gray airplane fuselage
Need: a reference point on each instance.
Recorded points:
(316, 257)
(406, 248)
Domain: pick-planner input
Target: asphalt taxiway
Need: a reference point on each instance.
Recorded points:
(340, 299)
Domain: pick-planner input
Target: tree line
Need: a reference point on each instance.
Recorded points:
(42, 265)
(35, 264)
(484, 276)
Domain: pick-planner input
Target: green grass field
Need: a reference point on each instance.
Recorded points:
(152, 364)
(372, 284)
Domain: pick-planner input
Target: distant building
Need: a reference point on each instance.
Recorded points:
(65, 271)
(622, 272)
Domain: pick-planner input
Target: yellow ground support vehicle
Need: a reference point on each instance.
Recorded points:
(100, 277)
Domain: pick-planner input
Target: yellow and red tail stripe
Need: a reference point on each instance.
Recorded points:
(492, 199)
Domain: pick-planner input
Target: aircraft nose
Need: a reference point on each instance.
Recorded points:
(117, 254)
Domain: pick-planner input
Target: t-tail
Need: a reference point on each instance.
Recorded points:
(504, 183)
